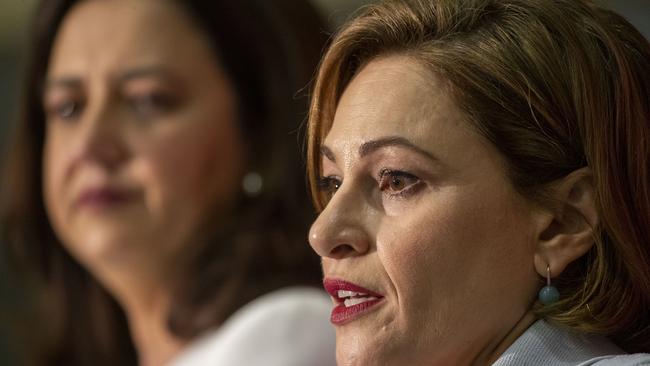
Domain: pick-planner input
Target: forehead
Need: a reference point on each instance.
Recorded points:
(397, 96)
(99, 34)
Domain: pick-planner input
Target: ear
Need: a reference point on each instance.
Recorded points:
(568, 233)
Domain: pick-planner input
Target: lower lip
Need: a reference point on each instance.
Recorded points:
(342, 314)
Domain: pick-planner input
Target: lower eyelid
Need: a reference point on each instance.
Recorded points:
(410, 190)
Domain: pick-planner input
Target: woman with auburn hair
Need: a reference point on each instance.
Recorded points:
(152, 184)
(481, 168)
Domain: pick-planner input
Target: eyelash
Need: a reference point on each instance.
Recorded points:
(388, 176)
(330, 184)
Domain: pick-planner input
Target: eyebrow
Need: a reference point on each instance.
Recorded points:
(67, 82)
(374, 145)
(145, 71)
(371, 146)
(328, 153)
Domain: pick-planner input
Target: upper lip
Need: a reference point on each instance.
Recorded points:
(334, 285)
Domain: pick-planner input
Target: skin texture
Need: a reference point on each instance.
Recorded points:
(143, 109)
(441, 233)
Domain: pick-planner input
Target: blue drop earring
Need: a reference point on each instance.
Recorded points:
(548, 294)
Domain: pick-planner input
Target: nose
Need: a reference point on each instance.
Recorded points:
(101, 140)
(341, 229)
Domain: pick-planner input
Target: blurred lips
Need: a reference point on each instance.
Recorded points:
(353, 301)
(104, 197)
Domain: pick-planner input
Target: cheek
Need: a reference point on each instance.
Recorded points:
(192, 166)
(413, 258)
(455, 250)
(419, 242)
(54, 171)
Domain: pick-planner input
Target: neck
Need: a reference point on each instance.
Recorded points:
(515, 332)
(147, 316)
(145, 298)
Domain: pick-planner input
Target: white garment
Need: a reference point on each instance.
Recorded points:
(545, 344)
(288, 327)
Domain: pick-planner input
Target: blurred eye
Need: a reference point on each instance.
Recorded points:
(329, 185)
(65, 110)
(397, 183)
(150, 104)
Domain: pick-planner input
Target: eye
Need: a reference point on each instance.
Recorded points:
(397, 183)
(150, 104)
(329, 185)
(65, 110)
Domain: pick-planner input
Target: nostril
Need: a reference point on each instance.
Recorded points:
(341, 251)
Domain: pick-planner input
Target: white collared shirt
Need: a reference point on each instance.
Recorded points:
(550, 345)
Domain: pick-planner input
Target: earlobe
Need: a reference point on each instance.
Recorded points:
(568, 233)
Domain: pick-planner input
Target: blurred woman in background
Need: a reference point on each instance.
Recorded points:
(154, 183)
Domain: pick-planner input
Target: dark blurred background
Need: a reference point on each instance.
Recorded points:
(14, 20)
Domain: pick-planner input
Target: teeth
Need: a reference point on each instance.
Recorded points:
(357, 301)
(343, 293)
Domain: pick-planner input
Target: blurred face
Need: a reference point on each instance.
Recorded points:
(141, 139)
(427, 249)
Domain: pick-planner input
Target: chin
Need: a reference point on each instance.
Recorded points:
(369, 357)
(356, 350)
(100, 249)
(383, 348)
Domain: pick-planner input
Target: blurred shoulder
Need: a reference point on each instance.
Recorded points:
(291, 301)
(286, 327)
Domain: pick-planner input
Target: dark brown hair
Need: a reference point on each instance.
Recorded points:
(270, 50)
(555, 85)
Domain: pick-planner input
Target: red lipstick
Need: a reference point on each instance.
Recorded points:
(352, 300)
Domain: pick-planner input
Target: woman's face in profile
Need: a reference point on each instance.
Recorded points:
(424, 240)
(141, 136)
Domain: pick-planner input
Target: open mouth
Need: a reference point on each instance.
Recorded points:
(352, 300)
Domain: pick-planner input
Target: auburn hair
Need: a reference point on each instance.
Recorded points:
(555, 85)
